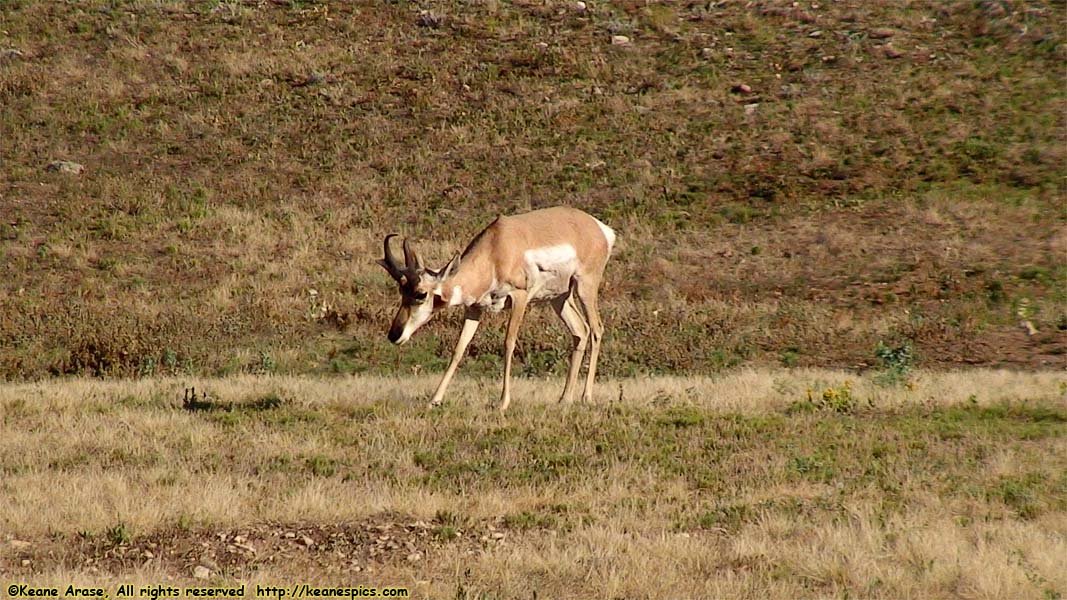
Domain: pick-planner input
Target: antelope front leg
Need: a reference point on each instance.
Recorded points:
(470, 325)
(519, 299)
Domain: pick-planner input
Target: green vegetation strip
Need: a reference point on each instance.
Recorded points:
(722, 458)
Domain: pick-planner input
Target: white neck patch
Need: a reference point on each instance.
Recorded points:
(457, 296)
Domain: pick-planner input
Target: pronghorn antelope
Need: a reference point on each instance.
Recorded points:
(554, 255)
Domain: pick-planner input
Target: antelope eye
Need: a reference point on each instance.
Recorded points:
(419, 296)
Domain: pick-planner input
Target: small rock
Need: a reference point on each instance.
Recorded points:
(742, 88)
(891, 52)
(541, 46)
(201, 572)
(787, 91)
(428, 18)
(580, 6)
(498, 535)
(289, 535)
(707, 52)
(148, 554)
(620, 40)
(305, 540)
(65, 166)
(10, 54)
(239, 539)
(881, 33)
(1029, 328)
(750, 109)
(25, 562)
(815, 34)
(415, 557)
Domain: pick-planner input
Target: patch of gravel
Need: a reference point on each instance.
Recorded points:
(202, 552)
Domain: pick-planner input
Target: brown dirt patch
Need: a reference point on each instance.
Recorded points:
(236, 552)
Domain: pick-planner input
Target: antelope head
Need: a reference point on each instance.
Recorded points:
(420, 289)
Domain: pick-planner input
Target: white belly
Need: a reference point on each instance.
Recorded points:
(549, 271)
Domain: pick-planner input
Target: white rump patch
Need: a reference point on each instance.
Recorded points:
(609, 233)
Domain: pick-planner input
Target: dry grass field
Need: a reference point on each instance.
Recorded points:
(756, 484)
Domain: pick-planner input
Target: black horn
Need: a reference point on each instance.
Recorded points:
(389, 262)
(411, 257)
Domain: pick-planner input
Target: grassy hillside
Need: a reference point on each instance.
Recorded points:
(792, 183)
(797, 484)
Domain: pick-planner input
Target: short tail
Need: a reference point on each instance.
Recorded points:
(609, 233)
